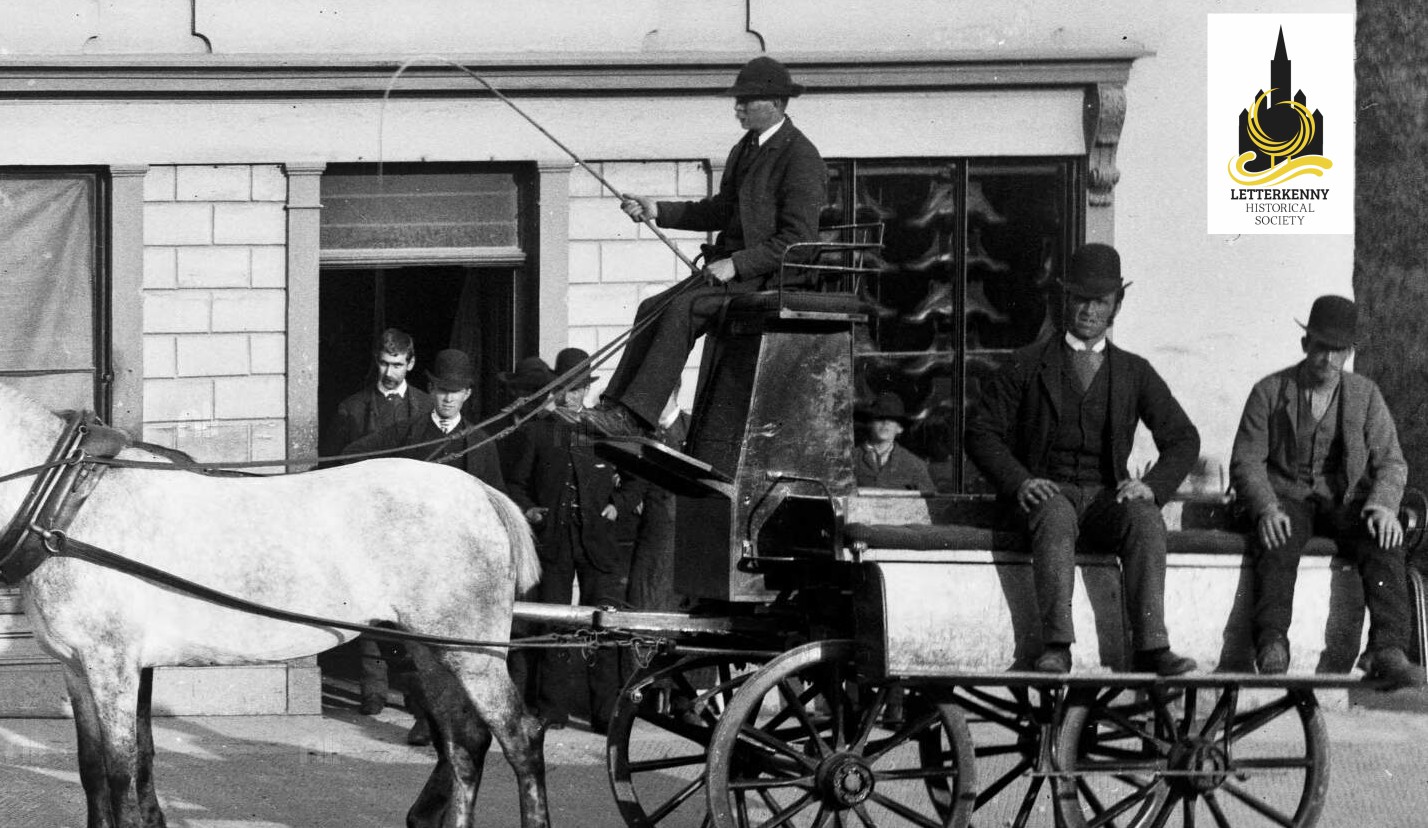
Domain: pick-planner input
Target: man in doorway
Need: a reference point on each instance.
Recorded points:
(772, 189)
(443, 434)
(390, 402)
(1053, 433)
(1317, 450)
(572, 499)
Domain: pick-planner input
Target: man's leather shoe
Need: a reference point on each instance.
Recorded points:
(1054, 659)
(1162, 662)
(1391, 667)
(612, 420)
(1273, 658)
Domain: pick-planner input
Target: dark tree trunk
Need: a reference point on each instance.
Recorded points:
(1391, 215)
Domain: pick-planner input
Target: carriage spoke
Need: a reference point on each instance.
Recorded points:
(766, 782)
(870, 718)
(861, 809)
(1259, 805)
(1188, 813)
(1131, 729)
(675, 801)
(1213, 803)
(1028, 801)
(1187, 719)
(903, 734)
(1248, 723)
(1162, 815)
(901, 810)
(782, 817)
(791, 703)
(1221, 712)
(1002, 782)
(1140, 794)
(650, 765)
(776, 745)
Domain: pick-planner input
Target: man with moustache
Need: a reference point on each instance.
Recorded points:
(442, 433)
(1317, 450)
(1053, 432)
(773, 187)
(389, 402)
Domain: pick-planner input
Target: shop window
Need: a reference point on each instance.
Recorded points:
(53, 275)
(973, 251)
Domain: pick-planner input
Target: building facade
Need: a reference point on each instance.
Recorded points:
(244, 192)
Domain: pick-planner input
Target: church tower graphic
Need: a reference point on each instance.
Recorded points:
(1278, 128)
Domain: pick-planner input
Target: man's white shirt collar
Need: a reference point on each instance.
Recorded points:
(445, 425)
(1079, 345)
(768, 133)
(400, 392)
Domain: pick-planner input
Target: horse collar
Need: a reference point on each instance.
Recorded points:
(60, 486)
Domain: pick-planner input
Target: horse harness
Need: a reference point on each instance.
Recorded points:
(66, 480)
(80, 457)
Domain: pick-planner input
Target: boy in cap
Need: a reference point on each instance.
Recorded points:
(1053, 432)
(1317, 449)
(880, 462)
(773, 187)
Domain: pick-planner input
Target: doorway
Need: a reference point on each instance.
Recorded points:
(441, 306)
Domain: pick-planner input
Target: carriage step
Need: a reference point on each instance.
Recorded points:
(658, 463)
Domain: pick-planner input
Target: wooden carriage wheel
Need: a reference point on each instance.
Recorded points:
(802, 745)
(682, 696)
(1201, 756)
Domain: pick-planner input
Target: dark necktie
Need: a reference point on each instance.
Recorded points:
(1085, 363)
(746, 154)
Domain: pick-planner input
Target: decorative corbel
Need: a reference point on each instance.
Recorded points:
(1105, 114)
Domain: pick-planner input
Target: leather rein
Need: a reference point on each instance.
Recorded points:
(65, 480)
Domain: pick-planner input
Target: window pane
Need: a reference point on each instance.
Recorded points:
(47, 274)
(967, 275)
(418, 206)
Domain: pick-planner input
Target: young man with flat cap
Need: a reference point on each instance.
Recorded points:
(773, 187)
(1317, 450)
(1053, 432)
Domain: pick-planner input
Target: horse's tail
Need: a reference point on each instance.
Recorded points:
(524, 561)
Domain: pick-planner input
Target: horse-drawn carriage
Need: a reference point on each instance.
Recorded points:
(850, 658)
(862, 657)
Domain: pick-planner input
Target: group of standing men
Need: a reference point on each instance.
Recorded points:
(572, 499)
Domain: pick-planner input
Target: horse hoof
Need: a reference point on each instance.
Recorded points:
(420, 734)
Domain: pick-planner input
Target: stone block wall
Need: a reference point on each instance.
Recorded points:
(616, 263)
(215, 310)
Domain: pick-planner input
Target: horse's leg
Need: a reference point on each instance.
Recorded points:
(149, 809)
(92, 773)
(114, 688)
(488, 685)
(449, 797)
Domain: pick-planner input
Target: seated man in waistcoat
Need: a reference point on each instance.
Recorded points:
(1317, 450)
(1053, 433)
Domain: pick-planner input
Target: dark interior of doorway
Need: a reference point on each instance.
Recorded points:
(440, 306)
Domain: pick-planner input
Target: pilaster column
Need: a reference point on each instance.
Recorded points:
(303, 241)
(553, 255)
(126, 299)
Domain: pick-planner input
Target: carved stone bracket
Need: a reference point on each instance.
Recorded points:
(1105, 114)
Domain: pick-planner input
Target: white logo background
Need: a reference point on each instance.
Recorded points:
(1320, 48)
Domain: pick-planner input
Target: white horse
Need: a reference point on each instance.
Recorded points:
(419, 546)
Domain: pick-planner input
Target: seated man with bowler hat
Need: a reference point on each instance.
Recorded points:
(772, 190)
(1317, 450)
(880, 462)
(1053, 433)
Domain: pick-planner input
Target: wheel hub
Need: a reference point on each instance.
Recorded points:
(1205, 762)
(845, 780)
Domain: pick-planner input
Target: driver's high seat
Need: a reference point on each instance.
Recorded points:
(771, 434)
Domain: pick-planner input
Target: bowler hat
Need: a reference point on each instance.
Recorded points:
(531, 373)
(451, 371)
(764, 77)
(567, 360)
(1334, 321)
(887, 406)
(1095, 272)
